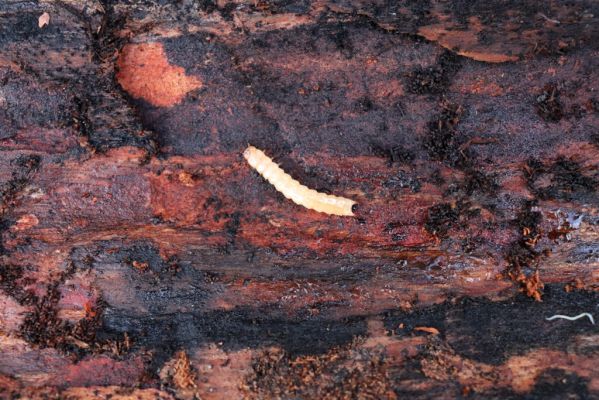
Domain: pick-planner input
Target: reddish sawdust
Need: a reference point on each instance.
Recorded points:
(145, 73)
(531, 285)
(341, 373)
(178, 372)
(89, 392)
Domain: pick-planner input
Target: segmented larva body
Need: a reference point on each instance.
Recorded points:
(293, 190)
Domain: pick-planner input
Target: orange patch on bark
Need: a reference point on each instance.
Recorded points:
(479, 86)
(463, 43)
(25, 222)
(145, 73)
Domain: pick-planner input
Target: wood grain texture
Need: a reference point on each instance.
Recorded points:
(140, 257)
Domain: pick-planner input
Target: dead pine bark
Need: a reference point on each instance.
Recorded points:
(142, 257)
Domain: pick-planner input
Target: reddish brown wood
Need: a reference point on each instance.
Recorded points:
(141, 257)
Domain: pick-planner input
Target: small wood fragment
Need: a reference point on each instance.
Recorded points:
(43, 20)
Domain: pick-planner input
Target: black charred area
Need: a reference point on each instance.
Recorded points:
(563, 179)
(522, 257)
(548, 104)
(491, 332)
(161, 290)
(13, 283)
(42, 326)
(441, 218)
(92, 102)
(98, 127)
(436, 78)
(23, 169)
(395, 154)
(281, 374)
(235, 329)
(443, 140)
(558, 384)
(480, 182)
(403, 180)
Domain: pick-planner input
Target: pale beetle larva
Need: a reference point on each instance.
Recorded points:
(293, 190)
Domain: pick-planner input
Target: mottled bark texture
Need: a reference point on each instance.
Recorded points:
(141, 257)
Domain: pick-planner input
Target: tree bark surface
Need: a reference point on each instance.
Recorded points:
(141, 256)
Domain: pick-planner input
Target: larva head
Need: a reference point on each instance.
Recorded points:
(251, 155)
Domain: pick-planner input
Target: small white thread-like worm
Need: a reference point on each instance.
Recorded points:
(293, 190)
(586, 314)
